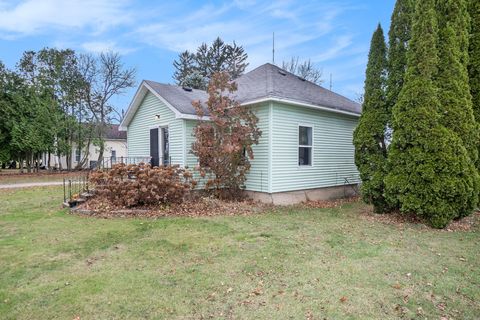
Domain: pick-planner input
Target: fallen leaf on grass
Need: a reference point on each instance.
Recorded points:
(211, 296)
(343, 299)
(419, 311)
(257, 292)
(441, 306)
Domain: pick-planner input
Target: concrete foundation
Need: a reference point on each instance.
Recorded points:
(293, 197)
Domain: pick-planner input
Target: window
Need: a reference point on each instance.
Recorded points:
(165, 146)
(77, 155)
(304, 146)
(114, 155)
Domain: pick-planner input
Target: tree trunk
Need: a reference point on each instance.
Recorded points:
(59, 156)
(29, 162)
(83, 161)
(48, 162)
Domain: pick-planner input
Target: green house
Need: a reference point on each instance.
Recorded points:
(305, 152)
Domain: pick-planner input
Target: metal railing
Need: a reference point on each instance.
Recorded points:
(352, 184)
(109, 162)
(74, 187)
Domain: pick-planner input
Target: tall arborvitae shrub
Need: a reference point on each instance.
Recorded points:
(430, 173)
(398, 37)
(369, 136)
(454, 90)
(474, 58)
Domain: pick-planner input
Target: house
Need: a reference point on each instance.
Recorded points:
(305, 151)
(115, 149)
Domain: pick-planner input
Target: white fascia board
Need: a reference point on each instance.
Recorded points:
(300, 104)
(137, 99)
(177, 113)
(132, 108)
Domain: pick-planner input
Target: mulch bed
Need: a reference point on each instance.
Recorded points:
(209, 207)
(200, 206)
(398, 219)
(326, 204)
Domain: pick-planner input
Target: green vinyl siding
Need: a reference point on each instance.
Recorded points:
(333, 151)
(257, 178)
(138, 133)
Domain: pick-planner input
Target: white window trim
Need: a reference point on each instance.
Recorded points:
(305, 166)
(79, 155)
(160, 142)
(160, 139)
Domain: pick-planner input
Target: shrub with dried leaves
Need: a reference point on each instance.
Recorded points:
(223, 145)
(138, 185)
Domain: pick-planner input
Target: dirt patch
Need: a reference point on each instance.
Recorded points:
(200, 206)
(399, 219)
(325, 204)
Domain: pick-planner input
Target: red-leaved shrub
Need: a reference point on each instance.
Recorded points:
(137, 185)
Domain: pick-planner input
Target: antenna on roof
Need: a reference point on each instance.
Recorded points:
(330, 82)
(273, 48)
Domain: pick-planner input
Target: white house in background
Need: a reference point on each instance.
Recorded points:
(115, 149)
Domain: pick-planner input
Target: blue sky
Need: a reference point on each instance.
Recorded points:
(334, 34)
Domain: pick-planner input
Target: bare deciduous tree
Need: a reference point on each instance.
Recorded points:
(305, 69)
(107, 76)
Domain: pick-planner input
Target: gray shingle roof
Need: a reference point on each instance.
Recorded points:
(115, 134)
(266, 81)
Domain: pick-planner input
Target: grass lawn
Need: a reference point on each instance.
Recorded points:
(290, 264)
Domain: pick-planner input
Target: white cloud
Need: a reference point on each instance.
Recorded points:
(340, 43)
(36, 16)
(105, 46)
(250, 24)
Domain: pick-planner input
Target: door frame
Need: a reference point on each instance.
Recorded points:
(160, 140)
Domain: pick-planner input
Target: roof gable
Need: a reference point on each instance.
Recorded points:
(270, 81)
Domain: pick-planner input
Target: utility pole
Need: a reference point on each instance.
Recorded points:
(330, 82)
(273, 48)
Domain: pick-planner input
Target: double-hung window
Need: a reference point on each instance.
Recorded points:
(305, 135)
(78, 154)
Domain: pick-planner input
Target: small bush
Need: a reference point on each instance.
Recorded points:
(138, 185)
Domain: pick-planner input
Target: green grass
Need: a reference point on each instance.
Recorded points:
(291, 264)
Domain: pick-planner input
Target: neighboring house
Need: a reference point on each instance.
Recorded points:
(115, 151)
(305, 151)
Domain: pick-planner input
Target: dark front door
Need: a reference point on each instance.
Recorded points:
(154, 147)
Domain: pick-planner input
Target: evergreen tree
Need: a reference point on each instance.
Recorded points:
(474, 57)
(196, 70)
(430, 173)
(398, 38)
(452, 80)
(184, 67)
(369, 136)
